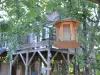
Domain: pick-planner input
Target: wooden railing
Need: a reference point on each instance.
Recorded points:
(45, 43)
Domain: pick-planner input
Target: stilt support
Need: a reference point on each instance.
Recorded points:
(48, 60)
(10, 65)
(68, 61)
(26, 65)
(25, 61)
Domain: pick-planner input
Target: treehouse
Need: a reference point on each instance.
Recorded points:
(66, 34)
(30, 57)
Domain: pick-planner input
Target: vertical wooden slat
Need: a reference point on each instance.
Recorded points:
(75, 33)
(57, 34)
(75, 30)
(62, 32)
(71, 31)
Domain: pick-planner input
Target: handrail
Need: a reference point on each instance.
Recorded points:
(45, 43)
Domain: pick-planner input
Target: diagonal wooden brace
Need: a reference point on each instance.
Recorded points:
(43, 57)
(31, 58)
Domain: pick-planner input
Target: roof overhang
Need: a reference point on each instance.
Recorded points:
(66, 44)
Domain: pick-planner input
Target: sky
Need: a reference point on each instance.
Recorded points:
(3, 16)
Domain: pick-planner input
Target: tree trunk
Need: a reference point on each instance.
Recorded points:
(85, 37)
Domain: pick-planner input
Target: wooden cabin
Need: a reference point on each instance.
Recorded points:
(66, 34)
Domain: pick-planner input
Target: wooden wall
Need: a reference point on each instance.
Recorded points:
(4, 69)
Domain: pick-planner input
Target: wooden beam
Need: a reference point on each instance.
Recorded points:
(64, 57)
(68, 61)
(31, 58)
(42, 57)
(54, 56)
(57, 68)
(32, 50)
(66, 51)
(30, 66)
(30, 70)
(39, 66)
(26, 65)
(10, 65)
(72, 59)
(22, 59)
(48, 60)
(62, 31)
(71, 31)
(15, 59)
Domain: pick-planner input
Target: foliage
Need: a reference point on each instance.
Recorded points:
(25, 16)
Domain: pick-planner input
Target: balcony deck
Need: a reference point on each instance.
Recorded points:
(35, 45)
(41, 46)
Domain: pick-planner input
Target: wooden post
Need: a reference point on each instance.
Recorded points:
(39, 67)
(76, 63)
(26, 65)
(30, 70)
(11, 65)
(68, 61)
(57, 67)
(48, 65)
(57, 34)
(14, 59)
